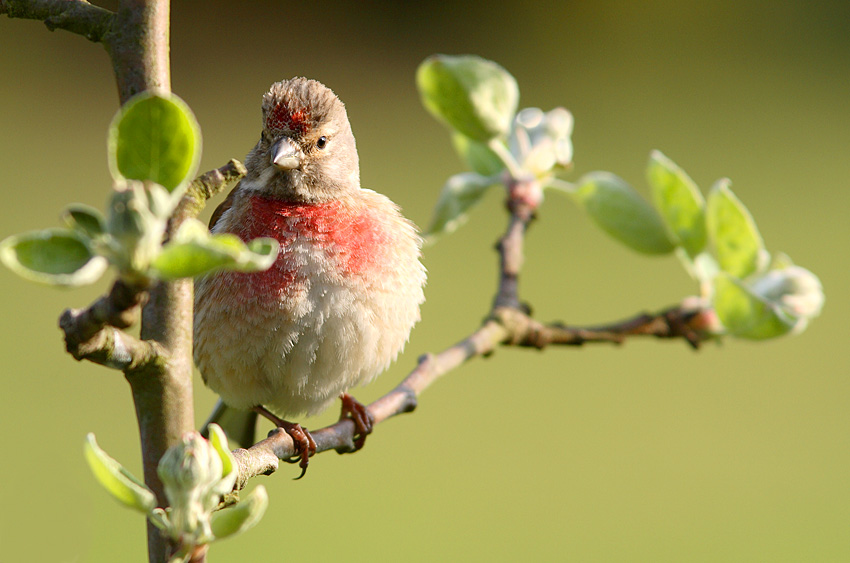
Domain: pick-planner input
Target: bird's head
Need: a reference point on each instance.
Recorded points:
(306, 151)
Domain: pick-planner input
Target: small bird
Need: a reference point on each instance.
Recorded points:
(338, 304)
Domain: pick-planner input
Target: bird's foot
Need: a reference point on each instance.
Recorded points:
(305, 445)
(360, 415)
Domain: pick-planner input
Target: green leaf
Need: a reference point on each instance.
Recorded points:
(679, 201)
(242, 516)
(86, 220)
(159, 518)
(53, 257)
(560, 185)
(136, 232)
(478, 155)
(703, 267)
(159, 201)
(745, 314)
(264, 254)
(120, 483)
(733, 232)
(622, 213)
(155, 137)
(460, 193)
(472, 95)
(228, 462)
(194, 251)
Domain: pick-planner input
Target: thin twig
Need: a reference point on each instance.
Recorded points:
(692, 320)
(92, 22)
(208, 185)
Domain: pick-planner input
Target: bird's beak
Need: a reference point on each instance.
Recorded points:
(285, 154)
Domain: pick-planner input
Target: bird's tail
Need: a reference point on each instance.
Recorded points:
(239, 425)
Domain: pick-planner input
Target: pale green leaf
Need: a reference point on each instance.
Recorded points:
(53, 257)
(747, 315)
(477, 155)
(621, 212)
(228, 462)
(472, 95)
(155, 137)
(460, 193)
(679, 201)
(119, 482)
(737, 243)
(703, 266)
(136, 233)
(264, 254)
(194, 251)
(244, 515)
(560, 185)
(159, 518)
(86, 220)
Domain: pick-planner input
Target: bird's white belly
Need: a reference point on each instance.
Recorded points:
(295, 351)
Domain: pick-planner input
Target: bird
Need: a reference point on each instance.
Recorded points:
(338, 304)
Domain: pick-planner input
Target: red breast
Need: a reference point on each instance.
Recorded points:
(353, 242)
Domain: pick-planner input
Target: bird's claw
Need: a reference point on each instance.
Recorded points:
(360, 415)
(305, 445)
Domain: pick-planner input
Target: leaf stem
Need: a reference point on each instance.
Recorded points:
(498, 147)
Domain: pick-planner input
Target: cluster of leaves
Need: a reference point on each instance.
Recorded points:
(154, 150)
(196, 474)
(522, 151)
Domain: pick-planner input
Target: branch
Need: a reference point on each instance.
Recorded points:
(208, 185)
(692, 320)
(506, 327)
(93, 334)
(92, 22)
(119, 308)
(115, 349)
(139, 49)
(510, 247)
(162, 390)
(508, 324)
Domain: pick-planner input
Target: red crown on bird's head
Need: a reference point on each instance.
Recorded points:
(299, 105)
(282, 117)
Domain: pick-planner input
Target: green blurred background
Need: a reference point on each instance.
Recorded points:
(648, 452)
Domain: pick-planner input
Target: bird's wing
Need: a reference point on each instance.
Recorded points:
(222, 207)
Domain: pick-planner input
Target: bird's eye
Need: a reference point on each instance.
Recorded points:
(322, 142)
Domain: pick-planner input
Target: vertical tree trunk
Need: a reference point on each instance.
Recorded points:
(139, 49)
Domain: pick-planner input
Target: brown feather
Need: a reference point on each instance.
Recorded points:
(222, 207)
